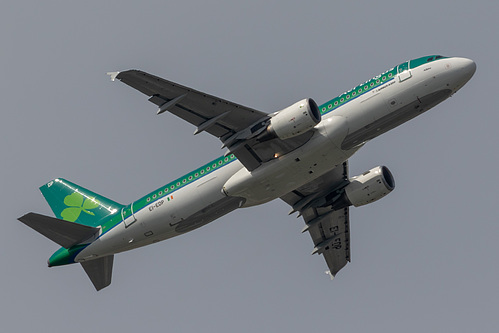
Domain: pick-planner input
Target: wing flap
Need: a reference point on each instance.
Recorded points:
(329, 229)
(334, 229)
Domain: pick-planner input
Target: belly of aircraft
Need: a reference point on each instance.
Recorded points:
(286, 173)
(149, 232)
(394, 118)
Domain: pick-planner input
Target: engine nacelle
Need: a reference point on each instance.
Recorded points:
(295, 119)
(372, 185)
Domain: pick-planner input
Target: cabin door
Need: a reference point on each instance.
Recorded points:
(404, 72)
(128, 216)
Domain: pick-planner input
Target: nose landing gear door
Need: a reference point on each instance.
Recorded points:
(404, 72)
(128, 215)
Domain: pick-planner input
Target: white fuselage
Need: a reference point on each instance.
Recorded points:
(337, 137)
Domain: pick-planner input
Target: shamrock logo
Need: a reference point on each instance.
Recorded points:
(76, 204)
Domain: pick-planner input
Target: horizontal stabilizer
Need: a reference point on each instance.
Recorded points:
(64, 233)
(99, 271)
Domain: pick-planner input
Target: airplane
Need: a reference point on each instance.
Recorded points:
(298, 154)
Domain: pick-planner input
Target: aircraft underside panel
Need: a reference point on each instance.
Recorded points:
(253, 153)
(209, 214)
(394, 119)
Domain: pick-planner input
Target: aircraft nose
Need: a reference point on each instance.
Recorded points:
(467, 67)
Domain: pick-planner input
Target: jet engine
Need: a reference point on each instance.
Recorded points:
(370, 186)
(360, 190)
(295, 119)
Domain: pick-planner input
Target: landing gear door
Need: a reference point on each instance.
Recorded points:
(128, 215)
(404, 72)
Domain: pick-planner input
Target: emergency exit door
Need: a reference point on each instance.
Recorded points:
(404, 72)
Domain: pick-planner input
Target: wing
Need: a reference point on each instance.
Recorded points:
(329, 229)
(237, 126)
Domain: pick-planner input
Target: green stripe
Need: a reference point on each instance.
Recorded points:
(169, 189)
(359, 90)
(375, 82)
(173, 186)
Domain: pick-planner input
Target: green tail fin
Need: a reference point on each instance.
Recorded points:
(74, 203)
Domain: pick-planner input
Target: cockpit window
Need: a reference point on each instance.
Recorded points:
(424, 60)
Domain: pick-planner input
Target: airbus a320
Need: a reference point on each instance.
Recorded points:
(298, 155)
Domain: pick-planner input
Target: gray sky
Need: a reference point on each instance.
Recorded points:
(423, 259)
